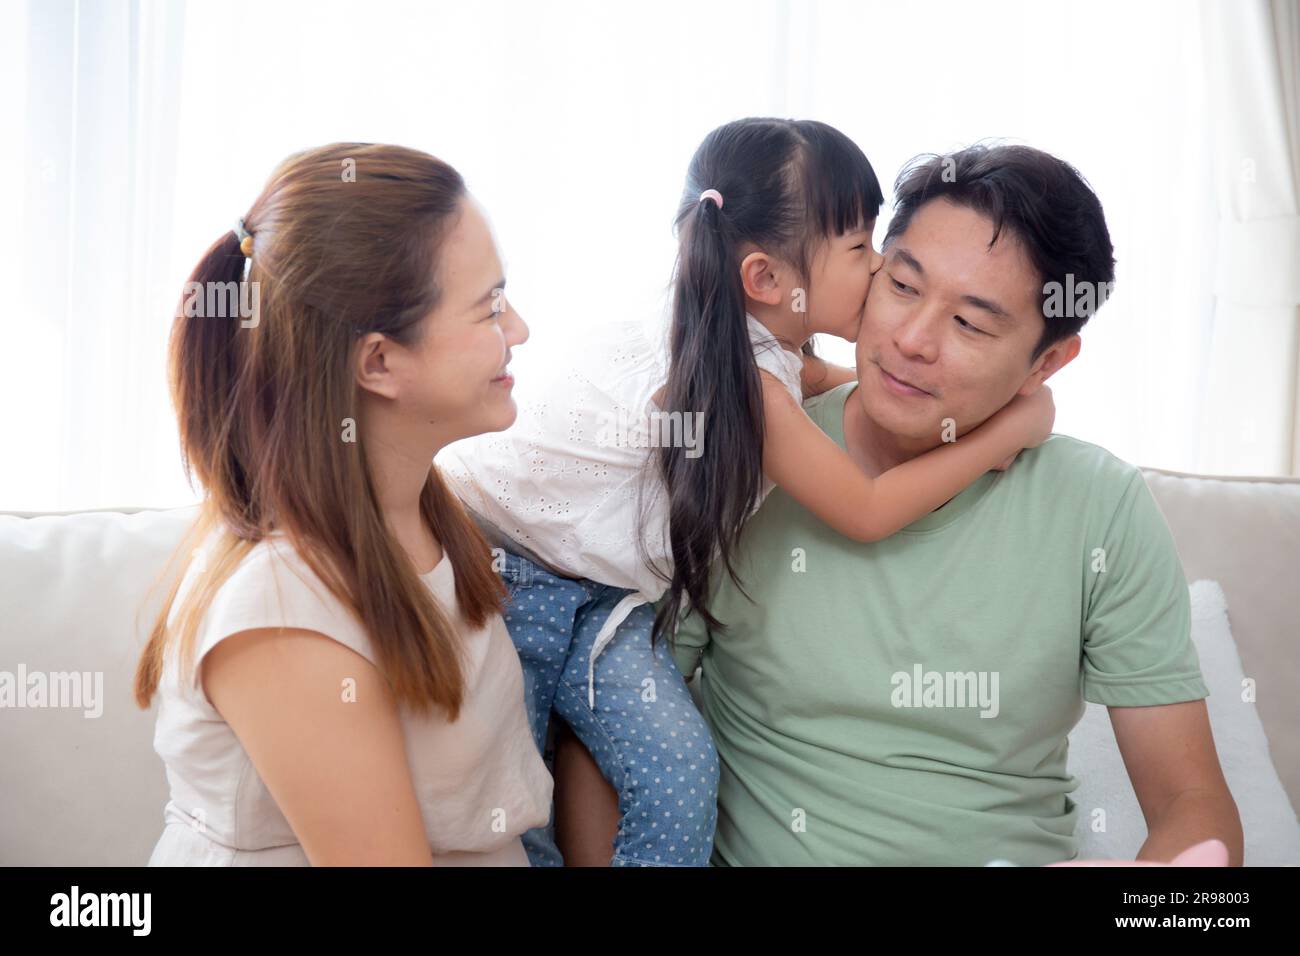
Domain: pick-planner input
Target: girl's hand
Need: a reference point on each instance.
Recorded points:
(1030, 417)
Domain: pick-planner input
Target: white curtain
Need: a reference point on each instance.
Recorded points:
(90, 138)
(135, 132)
(1252, 411)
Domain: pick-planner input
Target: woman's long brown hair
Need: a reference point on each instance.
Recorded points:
(344, 242)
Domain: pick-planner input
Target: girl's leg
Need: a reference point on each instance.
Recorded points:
(540, 619)
(586, 806)
(647, 737)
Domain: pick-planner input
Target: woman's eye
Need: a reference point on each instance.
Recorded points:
(860, 245)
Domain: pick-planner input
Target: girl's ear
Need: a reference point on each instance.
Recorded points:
(758, 274)
(372, 362)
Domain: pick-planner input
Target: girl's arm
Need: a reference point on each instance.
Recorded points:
(816, 472)
(819, 375)
(338, 770)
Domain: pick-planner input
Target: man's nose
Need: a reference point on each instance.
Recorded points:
(918, 335)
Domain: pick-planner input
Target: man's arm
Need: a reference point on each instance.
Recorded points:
(1169, 752)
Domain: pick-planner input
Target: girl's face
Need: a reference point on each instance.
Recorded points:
(453, 382)
(840, 277)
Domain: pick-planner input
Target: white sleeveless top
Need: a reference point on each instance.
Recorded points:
(480, 781)
(564, 480)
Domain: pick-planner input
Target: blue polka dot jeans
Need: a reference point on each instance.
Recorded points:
(645, 733)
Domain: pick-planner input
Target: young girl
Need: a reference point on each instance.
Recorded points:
(635, 471)
(335, 682)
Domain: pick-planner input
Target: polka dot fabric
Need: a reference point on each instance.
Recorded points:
(645, 733)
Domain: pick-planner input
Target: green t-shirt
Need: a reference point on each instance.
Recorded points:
(907, 702)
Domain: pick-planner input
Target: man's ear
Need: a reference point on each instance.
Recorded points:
(758, 274)
(371, 361)
(1056, 357)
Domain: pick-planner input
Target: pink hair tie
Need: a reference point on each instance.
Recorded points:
(712, 194)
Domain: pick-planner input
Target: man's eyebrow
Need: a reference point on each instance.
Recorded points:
(909, 260)
(988, 305)
(500, 284)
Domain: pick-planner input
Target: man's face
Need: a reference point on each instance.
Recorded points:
(950, 325)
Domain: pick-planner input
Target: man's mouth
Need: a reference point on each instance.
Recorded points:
(899, 386)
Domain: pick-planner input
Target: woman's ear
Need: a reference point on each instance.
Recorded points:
(758, 274)
(372, 357)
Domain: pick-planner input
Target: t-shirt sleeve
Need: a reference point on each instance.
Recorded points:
(1137, 648)
(273, 588)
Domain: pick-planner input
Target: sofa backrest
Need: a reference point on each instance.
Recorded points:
(75, 596)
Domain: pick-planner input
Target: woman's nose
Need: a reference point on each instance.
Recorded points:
(518, 329)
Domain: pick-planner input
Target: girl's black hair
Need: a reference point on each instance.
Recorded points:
(787, 186)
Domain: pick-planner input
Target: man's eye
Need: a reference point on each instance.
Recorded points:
(967, 325)
(860, 245)
(899, 286)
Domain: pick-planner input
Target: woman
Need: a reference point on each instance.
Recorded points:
(336, 683)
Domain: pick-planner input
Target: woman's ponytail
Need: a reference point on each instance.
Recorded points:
(205, 357)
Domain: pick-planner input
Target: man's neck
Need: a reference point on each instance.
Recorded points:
(873, 449)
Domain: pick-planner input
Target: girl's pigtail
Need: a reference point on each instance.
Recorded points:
(713, 377)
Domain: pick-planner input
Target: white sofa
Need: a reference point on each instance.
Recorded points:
(76, 596)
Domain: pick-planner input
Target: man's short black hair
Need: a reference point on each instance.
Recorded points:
(1043, 202)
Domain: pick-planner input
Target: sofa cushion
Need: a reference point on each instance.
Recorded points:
(1245, 534)
(1111, 825)
(75, 596)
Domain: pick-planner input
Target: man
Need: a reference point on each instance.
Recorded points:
(907, 702)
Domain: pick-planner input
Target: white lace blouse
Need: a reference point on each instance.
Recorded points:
(566, 480)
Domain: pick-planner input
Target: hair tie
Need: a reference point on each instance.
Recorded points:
(245, 239)
(712, 194)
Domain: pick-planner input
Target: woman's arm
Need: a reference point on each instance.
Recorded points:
(336, 767)
(808, 465)
(819, 375)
